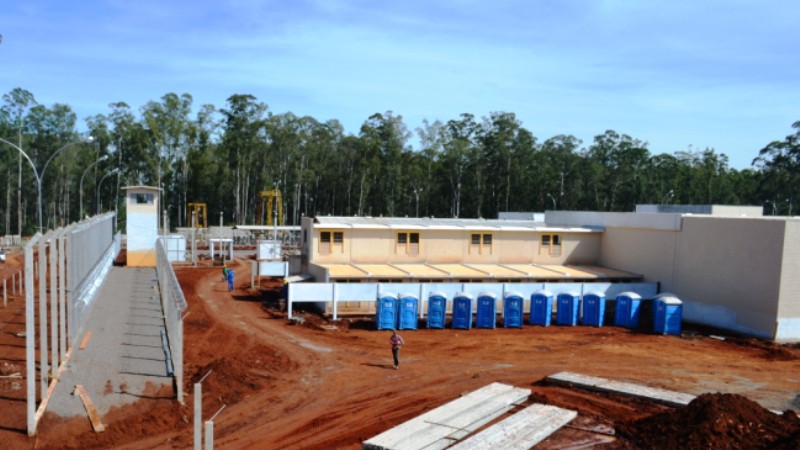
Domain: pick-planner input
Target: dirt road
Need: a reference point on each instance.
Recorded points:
(325, 385)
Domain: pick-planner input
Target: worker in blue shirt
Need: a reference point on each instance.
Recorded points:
(230, 279)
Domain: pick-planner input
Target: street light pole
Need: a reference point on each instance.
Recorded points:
(40, 175)
(80, 186)
(554, 201)
(98, 189)
(416, 195)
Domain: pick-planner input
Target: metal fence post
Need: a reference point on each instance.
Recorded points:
(198, 416)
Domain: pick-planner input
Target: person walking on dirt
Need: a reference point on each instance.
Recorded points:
(225, 272)
(396, 342)
(230, 280)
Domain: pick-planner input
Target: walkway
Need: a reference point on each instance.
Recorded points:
(123, 360)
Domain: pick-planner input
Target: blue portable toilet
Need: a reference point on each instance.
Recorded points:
(409, 312)
(513, 308)
(667, 313)
(567, 309)
(486, 316)
(462, 311)
(541, 308)
(626, 309)
(437, 309)
(386, 312)
(594, 308)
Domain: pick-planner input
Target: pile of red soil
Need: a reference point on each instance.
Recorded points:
(716, 421)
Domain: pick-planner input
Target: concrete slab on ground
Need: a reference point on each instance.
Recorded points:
(665, 396)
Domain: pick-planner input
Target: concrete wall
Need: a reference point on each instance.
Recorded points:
(729, 272)
(789, 308)
(647, 252)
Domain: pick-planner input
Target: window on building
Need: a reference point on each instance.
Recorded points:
(551, 244)
(330, 241)
(143, 199)
(407, 243)
(481, 243)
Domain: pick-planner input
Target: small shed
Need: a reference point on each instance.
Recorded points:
(486, 314)
(437, 309)
(409, 311)
(141, 230)
(386, 311)
(462, 311)
(567, 310)
(513, 305)
(626, 309)
(667, 314)
(541, 308)
(594, 308)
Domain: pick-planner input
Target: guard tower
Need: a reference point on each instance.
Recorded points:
(142, 225)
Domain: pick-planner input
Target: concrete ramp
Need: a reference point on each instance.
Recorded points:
(445, 425)
(520, 431)
(665, 396)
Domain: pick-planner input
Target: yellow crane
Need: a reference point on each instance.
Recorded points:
(273, 199)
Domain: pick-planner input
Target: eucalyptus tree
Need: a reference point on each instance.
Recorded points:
(460, 148)
(384, 138)
(616, 163)
(778, 165)
(557, 174)
(170, 128)
(17, 103)
(242, 141)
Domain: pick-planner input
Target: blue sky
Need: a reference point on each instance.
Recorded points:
(680, 75)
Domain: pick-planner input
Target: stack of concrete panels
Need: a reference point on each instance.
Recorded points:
(441, 427)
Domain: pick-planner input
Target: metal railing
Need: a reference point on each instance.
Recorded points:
(174, 304)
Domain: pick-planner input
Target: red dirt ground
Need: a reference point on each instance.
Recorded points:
(331, 385)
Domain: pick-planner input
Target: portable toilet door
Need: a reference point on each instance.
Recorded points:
(486, 310)
(594, 308)
(513, 306)
(409, 312)
(386, 313)
(626, 309)
(668, 310)
(462, 311)
(541, 308)
(567, 309)
(437, 309)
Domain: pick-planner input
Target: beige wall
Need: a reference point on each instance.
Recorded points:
(454, 246)
(734, 263)
(647, 252)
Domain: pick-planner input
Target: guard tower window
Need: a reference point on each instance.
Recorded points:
(330, 241)
(143, 199)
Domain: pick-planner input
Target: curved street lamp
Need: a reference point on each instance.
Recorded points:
(80, 187)
(100, 184)
(554, 201)
(40, 175)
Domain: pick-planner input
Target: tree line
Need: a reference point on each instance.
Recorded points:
(464, 167)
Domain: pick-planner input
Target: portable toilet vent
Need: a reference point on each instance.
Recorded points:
(409, 311)
(486, 316)
(567, 309)
(437, 309)
(462, 311)
(386, 312)
(541, 308)
(626, 309)
(667, 312)
(513, 305)
(594, 308)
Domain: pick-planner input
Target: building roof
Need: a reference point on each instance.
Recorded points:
(428, 223)
(475, 271)
(141, 188)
